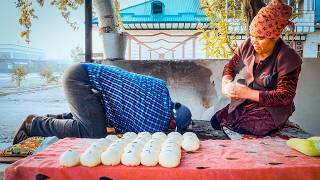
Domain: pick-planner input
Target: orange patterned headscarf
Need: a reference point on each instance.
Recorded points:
(271, 20)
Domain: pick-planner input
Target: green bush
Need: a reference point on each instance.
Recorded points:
(47, 75)
(19, 74)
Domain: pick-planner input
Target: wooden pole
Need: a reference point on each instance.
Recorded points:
(88, 31)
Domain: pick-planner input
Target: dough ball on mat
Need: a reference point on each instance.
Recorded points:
(130, 158)
(104, 142)
(159, 135)
(130, 136)
(190, 144)
(69, 158)
(169, 159)
(144, 135)
(149, 157)
(90, 158)
(111, 157)
(112, 137)
(187, 134)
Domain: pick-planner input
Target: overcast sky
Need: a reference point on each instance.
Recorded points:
(49, 32)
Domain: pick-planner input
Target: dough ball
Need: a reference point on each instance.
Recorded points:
(133, 147)
(90, 158)
(176, 139)
(98, 146)
(159, 135)
(104, 142)
(168, 159)
(172, 148)
(111, 157)
(190, 144)
(175, 134)
(170, 143)
(228, 87)
(145, 136)
(112, 137)
(130, 136)
(140, 141)
(69, 158)
(149, 157)
(188, 134)
(130, 158)
(154, 142)
(152, 147)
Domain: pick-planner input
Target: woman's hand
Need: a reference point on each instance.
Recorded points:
(240, 91)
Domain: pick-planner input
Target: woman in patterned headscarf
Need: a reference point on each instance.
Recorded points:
(263, 101)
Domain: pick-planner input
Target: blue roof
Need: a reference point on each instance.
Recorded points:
(317, 11)
(174, 11)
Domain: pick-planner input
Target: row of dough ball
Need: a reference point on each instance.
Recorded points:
(133, 149)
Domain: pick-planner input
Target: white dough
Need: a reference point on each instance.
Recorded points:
(175, 139)
(130, 136)
(112, 137)
(172, 148)
(140, 141)
(69, 158)
(90, 158)
(187, 134)
(228, 87)
(175, 134)
(105, 142)
(168, 159)
(130, 158)
(145, 136)
(149, 157)
(133, 147)
(111, 157)
(190, 144)
(98, 146)
(159, 135)
(170, 143)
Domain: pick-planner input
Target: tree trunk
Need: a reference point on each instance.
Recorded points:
(250, 10)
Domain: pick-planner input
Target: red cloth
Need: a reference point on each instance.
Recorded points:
(216, 159)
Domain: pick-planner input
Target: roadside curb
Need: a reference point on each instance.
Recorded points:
(27, 90)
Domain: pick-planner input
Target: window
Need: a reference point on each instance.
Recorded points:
(318, 52)
(157, 7)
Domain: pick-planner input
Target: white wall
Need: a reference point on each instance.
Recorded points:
(310, 46)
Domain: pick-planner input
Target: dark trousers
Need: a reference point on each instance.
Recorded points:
(87, 118)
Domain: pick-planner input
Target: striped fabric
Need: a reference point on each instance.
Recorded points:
(132, 102)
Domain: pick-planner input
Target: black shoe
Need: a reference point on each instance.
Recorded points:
(24, 130)
(215, 123)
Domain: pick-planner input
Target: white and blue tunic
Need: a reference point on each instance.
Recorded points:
(132, 102)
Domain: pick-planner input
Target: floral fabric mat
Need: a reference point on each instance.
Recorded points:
(22, 149)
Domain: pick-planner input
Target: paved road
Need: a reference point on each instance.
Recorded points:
(15, 107)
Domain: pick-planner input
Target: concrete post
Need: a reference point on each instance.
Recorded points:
(114, 42)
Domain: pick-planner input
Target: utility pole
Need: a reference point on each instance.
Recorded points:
(88, 31)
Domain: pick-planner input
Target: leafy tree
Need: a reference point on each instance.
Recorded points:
(224, 15)
(27, 12)
(47, 74)
(77, 54)
(18, 74)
